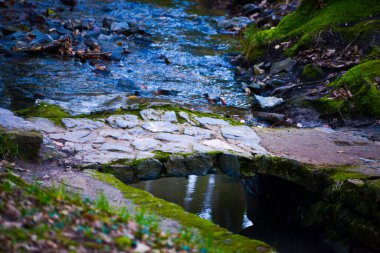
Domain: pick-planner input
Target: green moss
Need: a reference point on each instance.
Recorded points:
(360, 81)
(342, 175)
(311, 72)
(8, 147)
(44, 110)
(308, 20)
(224, 239)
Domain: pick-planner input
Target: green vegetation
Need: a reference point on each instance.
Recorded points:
(39, 218)
(8, 147)
(356, 91)
(310, 19)
(311, 72)
(222, 239)
(45, 110)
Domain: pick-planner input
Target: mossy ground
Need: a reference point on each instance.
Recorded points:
(310, 19)
(221, 238)
(311, 72)
(361, 82)
(54, 219)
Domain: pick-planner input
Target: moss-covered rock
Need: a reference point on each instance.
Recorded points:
(312, 17)
(311, 72)
(20, 144)
(356, 91)
(45, 110)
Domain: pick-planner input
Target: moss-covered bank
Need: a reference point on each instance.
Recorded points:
(312, 18)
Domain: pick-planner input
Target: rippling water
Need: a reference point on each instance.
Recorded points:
(192, 42)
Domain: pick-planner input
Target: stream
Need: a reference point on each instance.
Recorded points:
(224, 200)
(182, 31)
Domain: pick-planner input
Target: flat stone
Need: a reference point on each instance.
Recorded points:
(143, 155)
(268, 102)
(160, 126)
(185, 116)
(149, 169)
(229, 164)
(75, 136)
(151, 114)
(170, 116)
(285, 65)
(11, 122)
(175, 166)
(76, 147)
(46, 125)
(117, 146)
(146, 144)
(200, 148)
(117, 134)
(199, 132)
(137, 131)
(212, 121)
(81, 124)
(199, 164)
(104, 157)
(176, 138)
(176, 147)
(221, 145)
(123, 121)
(239, 133)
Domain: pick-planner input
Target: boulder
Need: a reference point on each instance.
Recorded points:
(175, 166)
(149, 169)
(285, 65)
(229, 164)
(199, 164)
(268, 102)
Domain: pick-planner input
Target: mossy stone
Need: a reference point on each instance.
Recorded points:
(311, 72)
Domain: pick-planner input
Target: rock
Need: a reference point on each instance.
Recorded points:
(146, 144)
(75, 136)
(107, 22)
(11, 122)
(39, 38)
(175, 166)
(149, 169)
(123, 121)
(46, 125)
(117, 146)
(211, 121)
(175, 138)
(160, 126)
(200, 148)
(120, 26)
(169, 116)
(81, 124)
(152, 114)
(77, 147)
(103, 157)
(143, 155)
(199, 164)
(249, 9)
(176, 147)
(27, 144)
(185, 116)
(285, 65)
(124, 173)
(239, 133)
(236, 23)
(117, 134)
(229, 164)
(276, 82)
(199, 132)
(221, 145)
(110, 47)
(268, 102)
(127, 84)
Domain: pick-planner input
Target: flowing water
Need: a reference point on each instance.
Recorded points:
(224, 201)
(184, 32)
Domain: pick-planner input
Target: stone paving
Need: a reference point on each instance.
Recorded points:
(131, 137)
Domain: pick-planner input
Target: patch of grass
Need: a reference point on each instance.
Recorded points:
(45, 110)
(360, 81)
(307, 21)
(222, 239)
(8, 147)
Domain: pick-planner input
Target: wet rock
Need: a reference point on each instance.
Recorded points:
(268, 102)
(236, 22)
(175, 166)
(123, 173)
(199, 164)
(149, 169)
(120, 26)
(285, 65)
(127, 84)
(110, 47)
(107, 22)
(249, 9)
(276, 82)
(146, 144)
(82, 124)
(211, 121)
(39, 38)
(117, 146)
(123, 121)
(229, 164)
(160, 126)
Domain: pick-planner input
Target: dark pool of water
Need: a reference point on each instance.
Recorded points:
(191, 41)
(223, 200)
